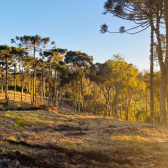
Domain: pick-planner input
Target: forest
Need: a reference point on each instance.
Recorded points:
(114, 88)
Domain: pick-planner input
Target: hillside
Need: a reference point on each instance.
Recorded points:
(65, 139)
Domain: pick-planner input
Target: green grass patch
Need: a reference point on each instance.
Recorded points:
(67, 144)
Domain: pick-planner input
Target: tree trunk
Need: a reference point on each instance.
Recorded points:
(83, 96)
(75, 106)
(34, 75)
(6, 81)
(55, 88)
(116, 105)
(44, 90)
(92, 108)
(79, 99)
(22, 91)
(60, 98)
(109, 110)
(42, 96)
(49, 85)
(126, 110)
(35, 88)
(121, 106)
(163, 89)
(151, 75)
(106, 109)
(147, 106)
(2, 84)
(129, 102)
(41, 88)
(112, 101)
(15, 82)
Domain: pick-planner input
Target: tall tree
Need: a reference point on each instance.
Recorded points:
(142, 13)
(7, 53)
(35, 43)
(53, 57)
(80, 63)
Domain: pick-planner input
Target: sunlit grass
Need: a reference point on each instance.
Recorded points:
(130, 138)
(104, 134)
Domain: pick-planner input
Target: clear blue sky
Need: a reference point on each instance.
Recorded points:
(75, 25)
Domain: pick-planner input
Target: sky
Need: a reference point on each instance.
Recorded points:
(74, 25)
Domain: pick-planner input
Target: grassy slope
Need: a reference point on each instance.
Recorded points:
(143, 144)
(127, 144)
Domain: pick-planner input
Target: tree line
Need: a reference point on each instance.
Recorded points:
(53, 75)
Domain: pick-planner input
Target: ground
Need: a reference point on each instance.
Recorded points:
(65, 139)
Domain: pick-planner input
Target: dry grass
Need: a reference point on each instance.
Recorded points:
(145, 144)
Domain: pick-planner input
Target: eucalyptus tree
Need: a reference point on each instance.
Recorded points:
(34, 43)
(142, 13)
(80, 63)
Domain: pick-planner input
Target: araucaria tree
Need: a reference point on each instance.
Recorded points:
(36, 44)
(7, 54)
(146, 13)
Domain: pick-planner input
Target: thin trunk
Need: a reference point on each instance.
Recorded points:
(15, 82)
(60, 98)
(155, 109)
(55, 88)
(41, 90)
(75, 107)
(151, 75)
(129, 102)
(92, 108)
(6, 81)
(113, 104)
(79, 99)
(49, 85)
(109, 112)
(116, 105)
(106, 109)
(134, 109)
(83, 97)
(35, 99)
(147, 106)
(22, 84)
(126, 110)
(100, 99)
(27, 89)
(44, 90)
(121, 105)
(34, 74)
(2, 84)
(42, 85)
(22, 91)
